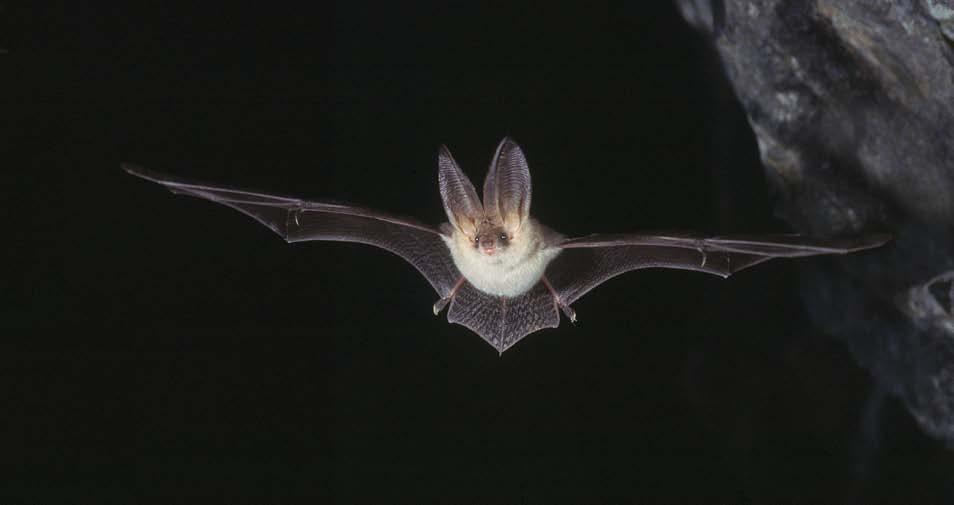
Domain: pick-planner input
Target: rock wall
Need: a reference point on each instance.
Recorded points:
(852, 105)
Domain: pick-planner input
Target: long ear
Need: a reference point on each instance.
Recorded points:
(507, 187)
(460, 199)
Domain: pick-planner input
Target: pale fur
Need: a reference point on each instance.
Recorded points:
(510, 272)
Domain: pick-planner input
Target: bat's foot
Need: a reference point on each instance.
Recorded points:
(568, 311)
(440, 304)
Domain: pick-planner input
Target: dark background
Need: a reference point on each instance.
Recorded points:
(165, 347)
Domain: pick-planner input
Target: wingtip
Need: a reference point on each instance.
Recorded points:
(149, 175)
(881, 239)
(138, 171)
(872, 241)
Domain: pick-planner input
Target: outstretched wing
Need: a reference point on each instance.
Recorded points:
(298, 220)
(587, 262)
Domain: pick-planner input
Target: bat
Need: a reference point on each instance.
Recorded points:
(497, 270)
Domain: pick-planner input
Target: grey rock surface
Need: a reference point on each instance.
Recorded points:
(852, 105)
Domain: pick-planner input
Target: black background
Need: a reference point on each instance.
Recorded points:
(165, 347)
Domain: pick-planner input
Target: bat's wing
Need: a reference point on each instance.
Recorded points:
(500, 321)
(298, 220)
(587, 262)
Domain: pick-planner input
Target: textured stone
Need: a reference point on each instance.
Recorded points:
(852, 105)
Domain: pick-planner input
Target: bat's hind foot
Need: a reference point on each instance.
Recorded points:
(440, 304)
(567, 311)
(557, 301)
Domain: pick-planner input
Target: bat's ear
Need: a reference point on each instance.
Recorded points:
(507, 187)
(460, 199)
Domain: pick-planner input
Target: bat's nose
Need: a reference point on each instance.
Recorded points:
(488, 245)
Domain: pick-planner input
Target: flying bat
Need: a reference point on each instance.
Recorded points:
(499, 271)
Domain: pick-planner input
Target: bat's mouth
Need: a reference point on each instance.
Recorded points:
(489, 251)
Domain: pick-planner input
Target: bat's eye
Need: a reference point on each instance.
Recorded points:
(476, 240)
(503, 236)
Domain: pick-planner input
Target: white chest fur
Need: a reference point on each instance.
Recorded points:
(509, 273)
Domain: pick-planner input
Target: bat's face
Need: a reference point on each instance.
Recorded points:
(491, 239)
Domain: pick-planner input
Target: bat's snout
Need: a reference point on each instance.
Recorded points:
(487, 245)
(493, 241)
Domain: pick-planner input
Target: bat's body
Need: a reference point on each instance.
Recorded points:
(503, 274)
(511, 272)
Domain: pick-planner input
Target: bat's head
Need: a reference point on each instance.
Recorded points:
(490, 226)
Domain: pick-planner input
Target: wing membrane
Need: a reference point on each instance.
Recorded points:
(501, 321)
(586, 262)
(298, 220)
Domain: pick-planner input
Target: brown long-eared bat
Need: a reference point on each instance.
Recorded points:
(503, 274)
